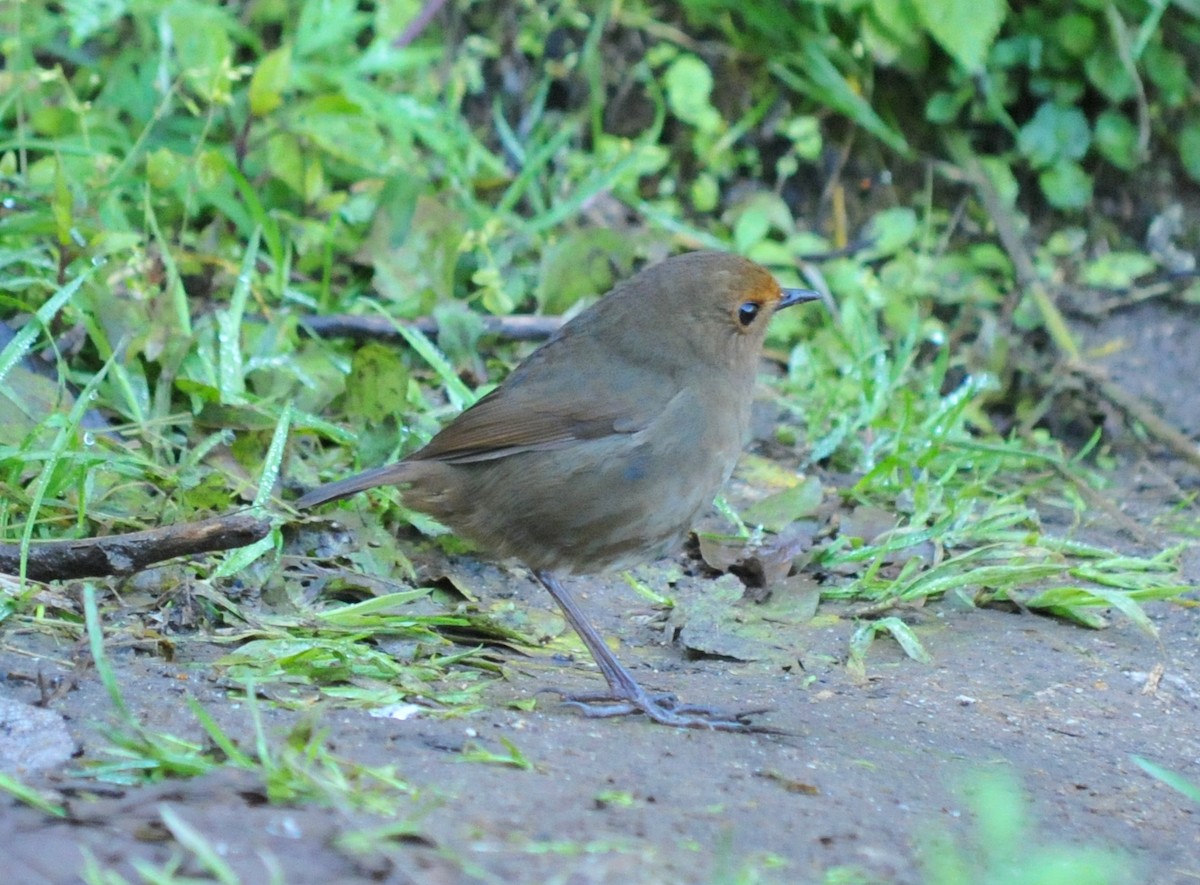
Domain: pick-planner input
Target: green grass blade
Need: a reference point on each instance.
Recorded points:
(27, 334)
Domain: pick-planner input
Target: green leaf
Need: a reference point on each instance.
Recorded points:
(273, 461)
(893, 34)
(1105, 71)
(231, 376)
(288, 162)
(966, 29)
(1116, 139)
(1076, 33)
(1117, 270)
(86, 18)
(757, 218)
(270, 78)
(689, 85)
(904, 635)
(202, 46)
(890, 231)
(1170, 778)
(30, 796)
(342, 130)
(944, 106)
(1066, 185)
(776, 512)
(1168, 71)
(1056, 132)
(705, 193)
(23, 340)
(805, 135)
(163, 168)
(325, 24)
(1000, 173)
(1189, 149)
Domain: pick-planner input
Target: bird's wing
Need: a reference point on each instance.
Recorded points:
(537, 415)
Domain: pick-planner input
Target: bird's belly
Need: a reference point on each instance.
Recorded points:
(570, 513)
(593, 504)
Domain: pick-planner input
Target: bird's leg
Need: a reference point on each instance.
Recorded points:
(625, 695)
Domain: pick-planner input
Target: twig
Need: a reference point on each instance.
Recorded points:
(1137, 410)
(131, 552)
(1027, 275)
(418, 24)
(365, 328)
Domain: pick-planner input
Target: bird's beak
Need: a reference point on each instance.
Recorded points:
(797, 296)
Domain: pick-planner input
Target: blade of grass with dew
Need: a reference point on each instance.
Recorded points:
(242, 558)
(131, 385)
(273, 461)
(459, 394)
(597, 182)
(27, 334)
(534, 164)
(174, 282)
(231, 373)
(349, 615)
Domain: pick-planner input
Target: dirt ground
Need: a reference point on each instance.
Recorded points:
(863, 774)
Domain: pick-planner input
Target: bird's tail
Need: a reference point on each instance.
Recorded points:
(390, 474)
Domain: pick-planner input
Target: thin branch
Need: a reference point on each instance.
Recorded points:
(367, 328)
(131, 552)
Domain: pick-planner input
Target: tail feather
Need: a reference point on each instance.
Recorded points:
(390, 474)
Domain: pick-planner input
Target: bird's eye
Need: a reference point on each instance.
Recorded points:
(748, 311)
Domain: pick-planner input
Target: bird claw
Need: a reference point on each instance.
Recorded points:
(664, 709)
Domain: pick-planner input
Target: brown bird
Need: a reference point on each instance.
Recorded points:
(601, 449)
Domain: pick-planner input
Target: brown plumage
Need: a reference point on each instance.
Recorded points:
(601, 449)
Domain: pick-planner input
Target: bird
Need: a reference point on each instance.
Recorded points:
(600, 450)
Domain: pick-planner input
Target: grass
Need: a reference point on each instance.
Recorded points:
(1005, 845)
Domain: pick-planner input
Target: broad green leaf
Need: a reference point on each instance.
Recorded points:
(199, 35)
(780, 510)
(1117, 269)
(1066, 185)
(689, 85)
(581, 264)
(270, 79)
(1116, 139)
(86, 18)
(891, 230)
(1056, 132)
(1168, 71)
(1076, 33)
(1106, 72)
(966, 29)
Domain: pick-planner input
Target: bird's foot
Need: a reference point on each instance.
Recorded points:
(665, 709)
